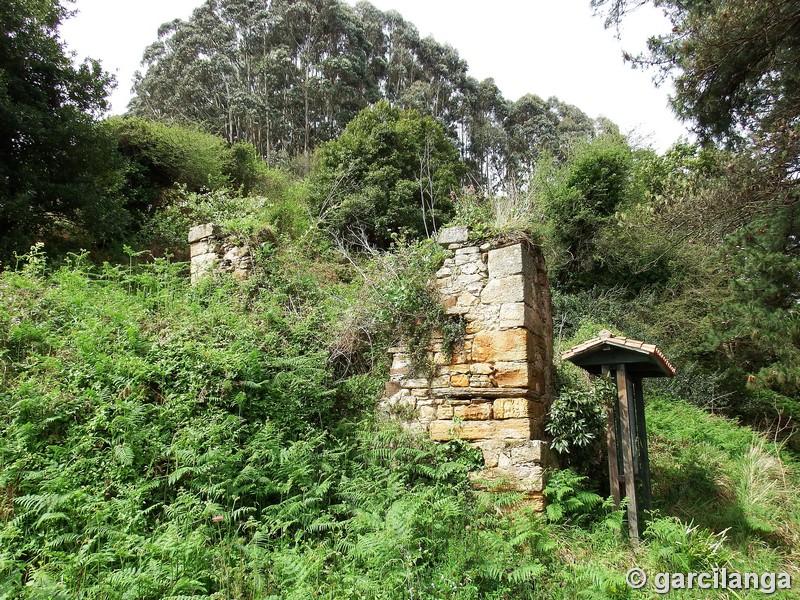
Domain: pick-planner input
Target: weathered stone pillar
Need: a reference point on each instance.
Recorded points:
(203, 250)
(210, 253)
(496, 388)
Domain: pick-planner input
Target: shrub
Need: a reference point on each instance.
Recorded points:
(390, 171)
(577, 421)
(582, 198)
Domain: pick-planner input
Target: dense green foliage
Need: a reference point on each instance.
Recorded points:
(582, 198)
(57, 170)
(391, 172)
(165, 441)
(159, 440)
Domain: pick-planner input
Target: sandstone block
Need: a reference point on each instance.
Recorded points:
(440, 382)
(463, 281)
(491, 450)
(445, 411)
(481, 369)
(500, 346)
(500, 479)
(401, 361)
(506, 289)
(471, 268)
(456, 309)
(202, 247)
(202, 265)
(474, 412)
(480, 381)
(415, 383)
(519, 314)
(199, 232)
(529, 453)
(473, 326)
(466, 299)
(427, 413)
(444, 282)
(511, 260)
(459, 380)
(513, 408)
(441, 358)
(453, 235)
(466, 430)
(391, 388)
(467, 255)
(511, 374)
(513, 429)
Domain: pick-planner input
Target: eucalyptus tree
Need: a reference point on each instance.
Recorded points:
(287, 75)
(484, 112)
(531, 127)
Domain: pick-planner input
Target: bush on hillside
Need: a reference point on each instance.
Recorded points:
(390, 172)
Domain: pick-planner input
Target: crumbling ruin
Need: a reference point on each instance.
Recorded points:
(496, 388)
(210, 252)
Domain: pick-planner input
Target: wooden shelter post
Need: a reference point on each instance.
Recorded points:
(644, 457)
(611, 440)
(624, 397)
(628, 361)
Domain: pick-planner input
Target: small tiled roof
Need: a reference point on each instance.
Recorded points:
(606, 338)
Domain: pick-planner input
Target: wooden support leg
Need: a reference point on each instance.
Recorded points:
(627, 452)
(611, 440)
(644, 457)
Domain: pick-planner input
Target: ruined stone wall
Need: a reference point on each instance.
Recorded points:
(497, 386)
(211, 253)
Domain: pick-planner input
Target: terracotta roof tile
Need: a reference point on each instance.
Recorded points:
(621, 342)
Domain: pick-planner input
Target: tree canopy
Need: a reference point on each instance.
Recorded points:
(54, 163)
(391, 172)
(287, 76)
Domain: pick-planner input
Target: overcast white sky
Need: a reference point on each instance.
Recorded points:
(545, 47)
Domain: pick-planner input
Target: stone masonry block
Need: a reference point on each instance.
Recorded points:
(202, 265)
(506, 289)
(511, 260)
(513, 408)
(513, 429)
(415, 383)
(466, 256)
(453, 235)
(510, 429)
(481, 369)
(530, 453)
(445, 411)
(511, 374)
(504, 346)
(199, 232)
(519, 314)
(459, 380)
(202, 247)
(466, 430)
(474, 412)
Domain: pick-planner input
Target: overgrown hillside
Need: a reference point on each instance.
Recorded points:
(163, 440)
(160, 440)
